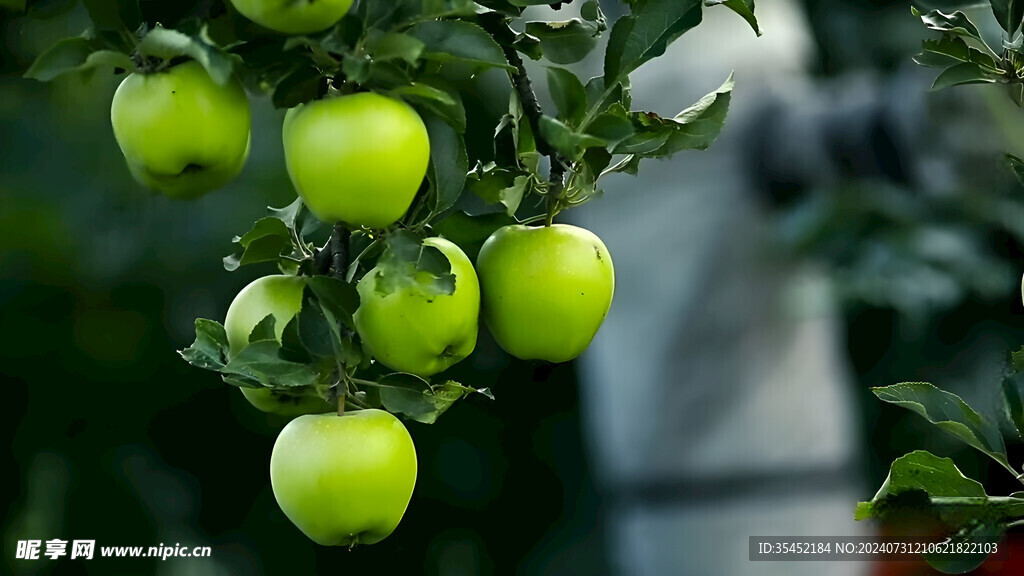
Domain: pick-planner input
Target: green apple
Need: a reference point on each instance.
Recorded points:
(546, 290)
(294, 16)
(410, 331)
(344, 480)
(281, 296)
(358, 158)
(181, 132)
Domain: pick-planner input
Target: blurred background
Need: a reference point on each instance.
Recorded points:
(849, 229)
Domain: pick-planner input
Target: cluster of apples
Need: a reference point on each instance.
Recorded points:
(359, 159)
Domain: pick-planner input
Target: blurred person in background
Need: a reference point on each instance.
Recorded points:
(716, 411)
(719, 397)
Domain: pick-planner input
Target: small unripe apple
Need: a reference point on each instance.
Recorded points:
(344, 480)
(181, 132)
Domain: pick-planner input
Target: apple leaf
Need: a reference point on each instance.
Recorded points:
(416, 399)
(744, 8)
(264, 330)
(1009, 14)
(445, 104)
(950, 413)
(569, 95)
(76, 54)
(499, 186)
(1013, 397)
(457, 40)
(645, 34)
(299, 87)
(956, 23)
(168, 44)
(448, 161)
(1017, 167)
(209, 351)
(564, 42)
(262, 361)
(393, 45)
(408, 263)
(337, 299)
(964, 73)
(933, 489)
(267, 241)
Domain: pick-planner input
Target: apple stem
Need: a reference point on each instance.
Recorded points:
(341, 403)
(498, 28)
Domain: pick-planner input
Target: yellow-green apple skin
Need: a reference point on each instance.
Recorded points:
(281, 296)
(344, 479)
(409, 331)
(358, 158)
(294, 16)
(180, 132)
(546, 290)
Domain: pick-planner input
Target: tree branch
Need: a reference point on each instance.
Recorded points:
(338, 246)
(498, 28)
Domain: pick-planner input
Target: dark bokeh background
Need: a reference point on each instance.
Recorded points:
(112, 437)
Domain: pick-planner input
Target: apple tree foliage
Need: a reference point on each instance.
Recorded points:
(443, 57)
(921, 486)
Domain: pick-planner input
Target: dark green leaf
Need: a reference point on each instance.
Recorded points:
(566, 140)
(337, 299)
(209, 350)
(443, 103)
(950, 413)
(168, 44)
(75, 54)
(1017, 167)
(499, 186)
(956, 23)
(470, 232)
(564, 42)
(264, 330)
(316, 333)
(394, 45)
(262, 361)
(449, 163)
(695, 128)
(963, 73)
(950, 50)
(408, 263)
(981, 532)
(612, 126)
(745, 8)
(569, 95)
(13, 5)
(1009, 14)
(414, 398)
(645, 34)
(1013, 397)
(447, 40)
(299, 87)
(265, 242)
